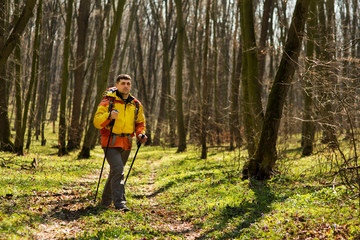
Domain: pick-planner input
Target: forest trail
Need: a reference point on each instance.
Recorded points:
(62, 211)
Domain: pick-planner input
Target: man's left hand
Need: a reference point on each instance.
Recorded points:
(142, 138)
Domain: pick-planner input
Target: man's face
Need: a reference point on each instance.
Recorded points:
(124, 86)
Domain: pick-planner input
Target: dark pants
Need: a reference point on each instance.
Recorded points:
(114, 190)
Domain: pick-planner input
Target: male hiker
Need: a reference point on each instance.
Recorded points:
(120, 114)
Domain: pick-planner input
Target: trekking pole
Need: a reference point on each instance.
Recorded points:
(138, 144)
(113, 122)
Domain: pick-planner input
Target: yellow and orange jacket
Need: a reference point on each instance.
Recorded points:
(130, 120)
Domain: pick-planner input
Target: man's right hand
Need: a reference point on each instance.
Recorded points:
(114, 114)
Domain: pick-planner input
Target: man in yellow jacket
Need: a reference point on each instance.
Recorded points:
(120, 109)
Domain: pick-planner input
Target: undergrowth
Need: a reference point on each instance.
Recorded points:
(174, 196)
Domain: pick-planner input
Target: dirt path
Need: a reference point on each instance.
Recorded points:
(62, 212)
(166, 220)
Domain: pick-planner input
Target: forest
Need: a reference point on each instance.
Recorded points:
(260, 93)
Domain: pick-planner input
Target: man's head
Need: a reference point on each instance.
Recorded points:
(123, 85)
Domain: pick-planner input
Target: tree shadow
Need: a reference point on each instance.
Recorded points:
(251, 211)
(158, 191)
(167, 186)
(69, 215)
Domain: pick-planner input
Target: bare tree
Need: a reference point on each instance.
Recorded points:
(179, 77)
(83, 22)
(6, 48)
(261, 165)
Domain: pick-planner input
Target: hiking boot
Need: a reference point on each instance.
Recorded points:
(122, 208)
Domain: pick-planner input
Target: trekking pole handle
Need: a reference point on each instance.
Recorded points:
(142, 137)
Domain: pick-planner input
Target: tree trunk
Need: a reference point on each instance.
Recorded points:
(206, 85)
(179, 78)
(36, 59)
(56, 86)
(18, 97)
(5, 142)
(327, 69)
(308, 125)
(65, 80)
(165, 74)
(96, 59)
(83, 22)
(216, 81)
(20, 144)
(6, 48)
(103, 78)
(251, 89)
(261, 165)
(235, 87)
(143, 94)
(263, 36)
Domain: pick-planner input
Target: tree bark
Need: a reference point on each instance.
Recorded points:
(18, 97)
(327, 69)
(206, 85)
(251, 89)
(234, 122)
(36, 59)
(268, 4)
(103, 78)
(261, 165)
(65, 80)
(165, 73)
(179, 77)
(6, 48)
(83, 22)
(143, 94)
(308, 125)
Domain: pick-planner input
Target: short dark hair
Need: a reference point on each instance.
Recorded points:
(123, 77)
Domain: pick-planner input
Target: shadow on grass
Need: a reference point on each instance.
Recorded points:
(71, 215)
(248, 211)
(168, 186)
(158, 191)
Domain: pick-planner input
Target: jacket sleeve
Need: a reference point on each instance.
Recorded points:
(140, 127)
(101, 118)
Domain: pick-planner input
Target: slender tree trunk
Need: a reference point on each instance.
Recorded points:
(179, 78)
(261, 165)
(216, 81)
(327, 70)
(251, 89)
(308, 125)
(206, 85)
(18, 100)
(65, 80)
(36, 59)
(83, 22)
(34, 64)
(103, 78)
(6, 47)
(9, 45)
(268, 4)
(143, 94)
(5, 142)
(235, 86)
(134, 9)
(56, 86)
(95, 62)
(165, 80)
(48, 60)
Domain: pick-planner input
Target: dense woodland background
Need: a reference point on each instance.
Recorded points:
(211, 73)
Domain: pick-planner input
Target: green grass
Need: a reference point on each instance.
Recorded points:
(174, 196)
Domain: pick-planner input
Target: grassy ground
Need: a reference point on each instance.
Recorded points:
(173, 196)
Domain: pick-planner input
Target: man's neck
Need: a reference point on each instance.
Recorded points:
(124, 96)
(121, 95)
